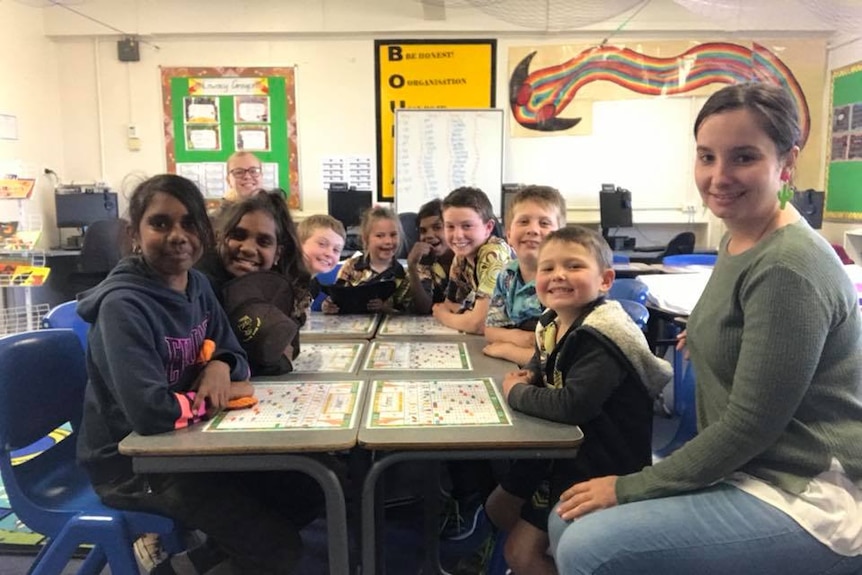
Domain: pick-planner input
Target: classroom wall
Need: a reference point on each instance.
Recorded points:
(845, 53)
(29, 91)
(331, 42)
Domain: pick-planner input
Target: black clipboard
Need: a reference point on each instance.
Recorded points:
(354, 299)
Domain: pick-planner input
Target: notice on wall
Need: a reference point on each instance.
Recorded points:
(426, 74)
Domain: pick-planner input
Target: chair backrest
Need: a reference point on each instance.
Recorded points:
(42, 381)
(680, 244)
(103, 246)
(638, 312)
(66, 316)
(690, 260)
(411, 233)
(621, 258)
(629, 289)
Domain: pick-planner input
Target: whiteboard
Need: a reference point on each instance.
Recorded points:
(439, 150)
(644, 145)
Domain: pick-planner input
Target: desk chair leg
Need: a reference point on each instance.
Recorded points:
(336, 511)
(94, 563)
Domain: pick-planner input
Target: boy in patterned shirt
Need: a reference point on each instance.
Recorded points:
(469, 221)
(429, 260)
(514, 311)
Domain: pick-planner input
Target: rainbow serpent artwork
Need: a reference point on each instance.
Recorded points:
(538, 98)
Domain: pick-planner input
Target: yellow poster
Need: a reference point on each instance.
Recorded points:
(427, 74)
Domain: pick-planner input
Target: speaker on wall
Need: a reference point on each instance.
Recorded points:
(128, 50)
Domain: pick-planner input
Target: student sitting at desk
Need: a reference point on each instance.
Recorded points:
(429, 259)
(593, 368)
(162, 356)
(322, 238)
(479, 258)
(514, 310)
(258, 275)
(380, 230)
(772, 483)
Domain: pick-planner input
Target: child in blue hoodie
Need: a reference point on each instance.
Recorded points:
(161, 356)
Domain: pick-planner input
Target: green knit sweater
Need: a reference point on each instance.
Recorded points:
(776, 343)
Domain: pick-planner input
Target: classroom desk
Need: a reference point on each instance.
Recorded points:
(416, 327)
(323, 327)
(193, 450)
(526, 438)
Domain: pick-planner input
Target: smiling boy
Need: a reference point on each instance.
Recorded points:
(468, 219)
(429, 260)
(514, 310)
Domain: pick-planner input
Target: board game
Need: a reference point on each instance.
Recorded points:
(462, 402)
(328, 357)
(418, 356)
(414, 325)
(320, 323)
(296, 406)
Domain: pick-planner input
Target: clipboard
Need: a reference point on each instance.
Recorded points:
(354, 299)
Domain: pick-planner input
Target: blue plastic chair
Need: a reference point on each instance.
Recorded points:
(636, 311)
(621, 259)
(42, 381)
(631, 289)
(326, 279)
(64, 315)
(684, 403)
(690, 260)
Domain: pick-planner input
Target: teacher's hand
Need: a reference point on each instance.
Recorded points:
(588, 496)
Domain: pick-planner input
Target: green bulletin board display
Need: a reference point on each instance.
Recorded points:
(844, 164)
(210, 113)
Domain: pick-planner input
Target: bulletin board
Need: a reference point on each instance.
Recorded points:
(210, 113)
(437, 151)
(844, 161)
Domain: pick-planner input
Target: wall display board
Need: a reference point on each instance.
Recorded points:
(210, 113)
(437, 151)
(844, 160)
(426, 74)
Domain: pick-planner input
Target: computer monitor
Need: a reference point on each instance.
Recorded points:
(809, 203)
(347, 204)
(615, 211)
(79, 210)
(508, 193)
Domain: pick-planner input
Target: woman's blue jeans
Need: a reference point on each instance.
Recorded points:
(716, 531)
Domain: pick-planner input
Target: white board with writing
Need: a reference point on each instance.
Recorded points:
(644, 145)
(439, 150)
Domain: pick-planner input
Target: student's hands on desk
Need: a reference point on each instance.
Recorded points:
(328, 306)
(514, 378)
(212, 387)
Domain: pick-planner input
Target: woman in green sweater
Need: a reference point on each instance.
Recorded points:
(773, 481)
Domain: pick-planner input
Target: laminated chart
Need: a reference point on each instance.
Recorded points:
(461, 402)
(414, 325)
(296, 406)
(328, 357)
(340, 324)
(417, 356)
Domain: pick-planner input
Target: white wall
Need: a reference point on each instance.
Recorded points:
(331, 42)
(29, 91)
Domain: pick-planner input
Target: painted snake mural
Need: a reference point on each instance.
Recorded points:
(538, 98)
